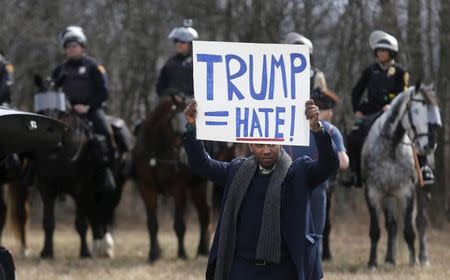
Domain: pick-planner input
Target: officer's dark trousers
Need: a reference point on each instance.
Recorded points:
(100, 126)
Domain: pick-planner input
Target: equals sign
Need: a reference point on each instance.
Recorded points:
(219, 114)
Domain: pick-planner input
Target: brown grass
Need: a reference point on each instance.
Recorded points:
(350, 247)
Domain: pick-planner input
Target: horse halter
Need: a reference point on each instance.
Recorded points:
(410, 118)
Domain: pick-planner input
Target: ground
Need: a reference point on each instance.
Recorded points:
(350, 249)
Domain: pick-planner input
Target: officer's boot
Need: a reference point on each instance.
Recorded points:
(427, 172)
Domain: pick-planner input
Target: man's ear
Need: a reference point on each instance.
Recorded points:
(250, 147)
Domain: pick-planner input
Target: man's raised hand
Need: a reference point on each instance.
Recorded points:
(190, 112)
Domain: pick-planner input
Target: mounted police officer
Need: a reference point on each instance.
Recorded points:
(6, 80)
(84, 82)
(378, 85)
(176, 75)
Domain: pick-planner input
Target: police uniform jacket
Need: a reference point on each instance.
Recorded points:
(382, 86)
(83, 81)
(176, 76)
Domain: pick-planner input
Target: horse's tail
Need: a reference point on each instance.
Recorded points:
(17, 208)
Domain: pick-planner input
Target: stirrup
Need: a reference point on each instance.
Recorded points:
(427, 175)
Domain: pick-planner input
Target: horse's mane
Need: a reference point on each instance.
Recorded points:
(391, 126)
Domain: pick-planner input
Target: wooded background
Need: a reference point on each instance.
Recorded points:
(130, 38)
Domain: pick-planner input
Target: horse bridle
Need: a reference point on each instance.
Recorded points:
(410, 119)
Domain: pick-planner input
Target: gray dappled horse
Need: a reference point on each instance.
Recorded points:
(388, 169)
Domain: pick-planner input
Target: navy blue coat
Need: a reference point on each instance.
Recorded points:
(303, 175)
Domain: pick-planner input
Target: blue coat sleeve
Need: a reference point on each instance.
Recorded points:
(201, 163)
(327, 163)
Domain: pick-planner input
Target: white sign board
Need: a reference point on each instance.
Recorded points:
(252, 93)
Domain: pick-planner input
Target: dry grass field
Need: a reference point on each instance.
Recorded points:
(350, 248)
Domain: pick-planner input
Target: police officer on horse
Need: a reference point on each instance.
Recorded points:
(84, 82)
(6, 80)
(176, 75)
(378, 85)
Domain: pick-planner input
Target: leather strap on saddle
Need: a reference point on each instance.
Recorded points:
(417, 167)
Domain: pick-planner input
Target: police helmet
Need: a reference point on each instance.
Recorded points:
(184, 33)
(382, 40)
(295, 38)
(73, 34)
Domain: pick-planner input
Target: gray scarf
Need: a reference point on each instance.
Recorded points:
(269, 242)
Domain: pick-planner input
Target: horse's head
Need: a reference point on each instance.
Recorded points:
(422, 118)
(164, 126)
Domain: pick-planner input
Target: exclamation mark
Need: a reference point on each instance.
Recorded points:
(292, 123)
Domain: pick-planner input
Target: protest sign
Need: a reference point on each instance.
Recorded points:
(251, 93)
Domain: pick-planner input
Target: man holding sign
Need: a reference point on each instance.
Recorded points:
(264, 230)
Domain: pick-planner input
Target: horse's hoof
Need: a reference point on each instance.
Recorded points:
(154, 255)
(46, 255)
(24, 252)
(424, 262)
(203, 251)
(372, 267)
(390, 262)
(326, 257)
(85, 255)
(182, 255)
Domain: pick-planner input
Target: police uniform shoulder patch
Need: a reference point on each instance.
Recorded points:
(9, 68)
(101, 68)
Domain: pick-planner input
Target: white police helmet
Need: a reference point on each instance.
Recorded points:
(382, 40)
(184, 33)
(295, 38)
(73, 34)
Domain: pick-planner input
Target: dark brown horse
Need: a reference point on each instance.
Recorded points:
(73, 168)
(14, 191)
(160, 169)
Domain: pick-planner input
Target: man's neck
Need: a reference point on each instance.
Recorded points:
(265, 170)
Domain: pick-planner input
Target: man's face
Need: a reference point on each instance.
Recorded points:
(266, 155)
(73, 50)
(383, 55)
(182, 47)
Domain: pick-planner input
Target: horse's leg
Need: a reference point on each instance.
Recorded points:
(150, 197)
(408, 231)
(81, 224)
(93, 202)
(422, 223)
(48, 199)
(391, 227)
(374, 230)
(2, 211)
(179, 224)
(198, 194)
(18, 199)
(326, 253)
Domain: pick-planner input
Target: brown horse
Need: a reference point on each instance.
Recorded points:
(159, 168)
(14, 206)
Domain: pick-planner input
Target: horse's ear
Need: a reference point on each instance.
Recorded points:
(39, 82)
(417, 87)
